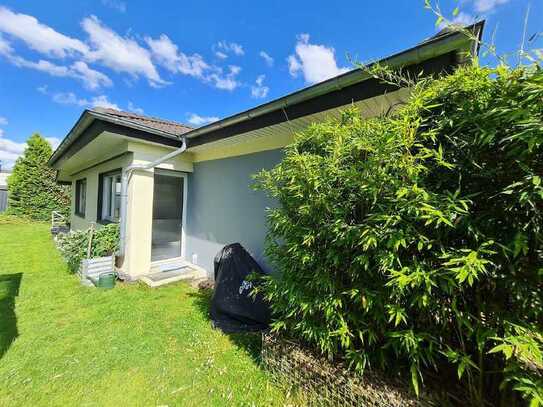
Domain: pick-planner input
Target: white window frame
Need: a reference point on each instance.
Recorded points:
(109, 193)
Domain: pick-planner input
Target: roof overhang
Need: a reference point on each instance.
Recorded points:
(90, 125)
(432, 56)
(436, 55)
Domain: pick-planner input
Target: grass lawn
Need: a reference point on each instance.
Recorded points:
(64, 344)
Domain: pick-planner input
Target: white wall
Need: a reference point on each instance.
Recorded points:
(140, 201)
(91, 175)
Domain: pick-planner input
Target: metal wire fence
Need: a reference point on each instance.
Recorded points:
(318, 382)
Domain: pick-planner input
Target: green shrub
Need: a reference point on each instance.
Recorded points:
(33, 190)
(74, 245)
(413, 243)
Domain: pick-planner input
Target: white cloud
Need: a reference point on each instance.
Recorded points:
(70, 98)
(267, 58)
(294, 65)
(38, 36)
(11, 147)
(484, 6)
(237, 49)
(122, 54)
(42, 65)
(90, 78)
(225, 81)
(259, 90)
(134, 109)
(221, 55)
(230, 48)
(102, 101)
(11, 150)
(5, 47)
(198, 120)
(54, 141)
(234, 69)
(167, 54)
(3, 122)
(115, 4)
(316, 62)
(463, 19)
(105, 47)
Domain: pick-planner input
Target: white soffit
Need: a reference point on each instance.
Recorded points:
(371, 107)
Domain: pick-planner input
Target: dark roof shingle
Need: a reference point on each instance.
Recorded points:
(167, 126)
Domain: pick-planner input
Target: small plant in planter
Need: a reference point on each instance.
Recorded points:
(74, 246)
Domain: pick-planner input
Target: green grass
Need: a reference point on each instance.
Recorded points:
(65, 344)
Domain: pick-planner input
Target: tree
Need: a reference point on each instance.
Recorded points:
(33, 191)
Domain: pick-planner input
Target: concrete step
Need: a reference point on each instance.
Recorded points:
(165, 266)
(171, 275)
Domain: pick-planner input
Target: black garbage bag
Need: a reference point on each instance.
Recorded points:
(233, 309)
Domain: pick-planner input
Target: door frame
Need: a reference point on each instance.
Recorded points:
(184, 175)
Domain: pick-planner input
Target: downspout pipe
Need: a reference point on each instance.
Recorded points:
(125, 180)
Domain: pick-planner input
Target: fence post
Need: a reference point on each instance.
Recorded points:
(91, 234)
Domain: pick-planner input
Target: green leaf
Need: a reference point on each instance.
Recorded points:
(506, 349)
(415, 379)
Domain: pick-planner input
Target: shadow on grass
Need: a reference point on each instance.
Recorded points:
(9, 289)
(250, 342)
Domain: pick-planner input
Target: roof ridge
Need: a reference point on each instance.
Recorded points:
(132, 115)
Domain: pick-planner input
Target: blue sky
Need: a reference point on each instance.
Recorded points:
(196, 61)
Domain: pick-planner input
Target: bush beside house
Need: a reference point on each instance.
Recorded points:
(74, 246)
(414, 243)
(33, 190)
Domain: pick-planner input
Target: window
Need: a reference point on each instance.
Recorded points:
(80, 196)
(110, 197)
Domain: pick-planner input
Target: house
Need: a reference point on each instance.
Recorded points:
(3, 188)
(181, 194)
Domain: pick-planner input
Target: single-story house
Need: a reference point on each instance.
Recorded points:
(181, 193)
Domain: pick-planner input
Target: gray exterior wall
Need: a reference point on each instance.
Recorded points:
(222, 207)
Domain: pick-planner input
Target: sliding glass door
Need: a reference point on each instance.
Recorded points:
(168, 207)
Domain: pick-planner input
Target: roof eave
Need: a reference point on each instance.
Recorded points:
(87, 118)
(432, 47)
(426, 50)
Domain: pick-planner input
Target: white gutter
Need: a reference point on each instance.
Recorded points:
(125, 179)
